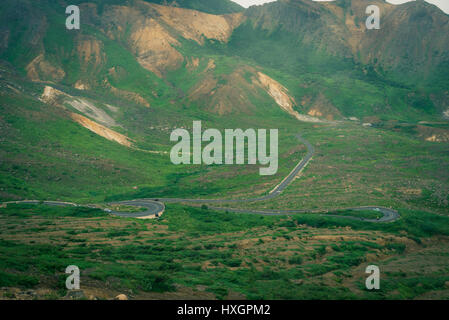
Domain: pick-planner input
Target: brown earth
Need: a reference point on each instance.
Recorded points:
(433, 134)
(195, 25)
(128, 95)
(154, 48)
(40, 69)
(155, 31)
(90, 52)
(281, 96)
(321, 107)
(101, 130)
(223, 96)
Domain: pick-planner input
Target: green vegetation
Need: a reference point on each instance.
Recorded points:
(398, 159)
(223, 252)
(366, 214)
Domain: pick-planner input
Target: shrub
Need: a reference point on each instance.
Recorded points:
(295, 260)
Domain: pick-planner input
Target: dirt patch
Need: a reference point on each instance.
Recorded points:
(211, 66)
(88, 108)
(55, 96)
(41, 70)
(128, 95)
(192, 63)
(228, 94)
(50, 94)
(433, 134)
(81, 85)
(101, 130)
(281, 96)
(195, 25)
(408, 191)
(90, 52)
(321, 107)
(153, 46)
(152, 32)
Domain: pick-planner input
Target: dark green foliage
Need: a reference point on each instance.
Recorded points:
(53, 211)
(192, 220)
(12, 280)
(295, 260)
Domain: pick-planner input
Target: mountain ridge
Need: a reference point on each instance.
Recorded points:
(160, 56)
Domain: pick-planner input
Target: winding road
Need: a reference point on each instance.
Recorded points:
(155, 206)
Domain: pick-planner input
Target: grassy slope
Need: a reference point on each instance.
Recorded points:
(352, 92)
(220, 255)
(356, 166)
(314, 74)
(354, 89)
(149, 127)
(46, 156)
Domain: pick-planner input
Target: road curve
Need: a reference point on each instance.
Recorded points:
(153, 209)
(155, 206)
(273, 194)
(389, 215)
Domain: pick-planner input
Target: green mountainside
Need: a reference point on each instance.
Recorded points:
(141, 69)
(86, 117)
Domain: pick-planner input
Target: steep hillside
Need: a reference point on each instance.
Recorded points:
(338, 28)
(138, 69)
(86, 117)
(140, 53)
(330, 39)
(145, 54)
(209, 6)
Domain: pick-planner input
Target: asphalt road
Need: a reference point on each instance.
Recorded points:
(389, 215)
(273, 194)
(155, 206)
(152, 208)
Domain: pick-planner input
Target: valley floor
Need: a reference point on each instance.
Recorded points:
(193, 252)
